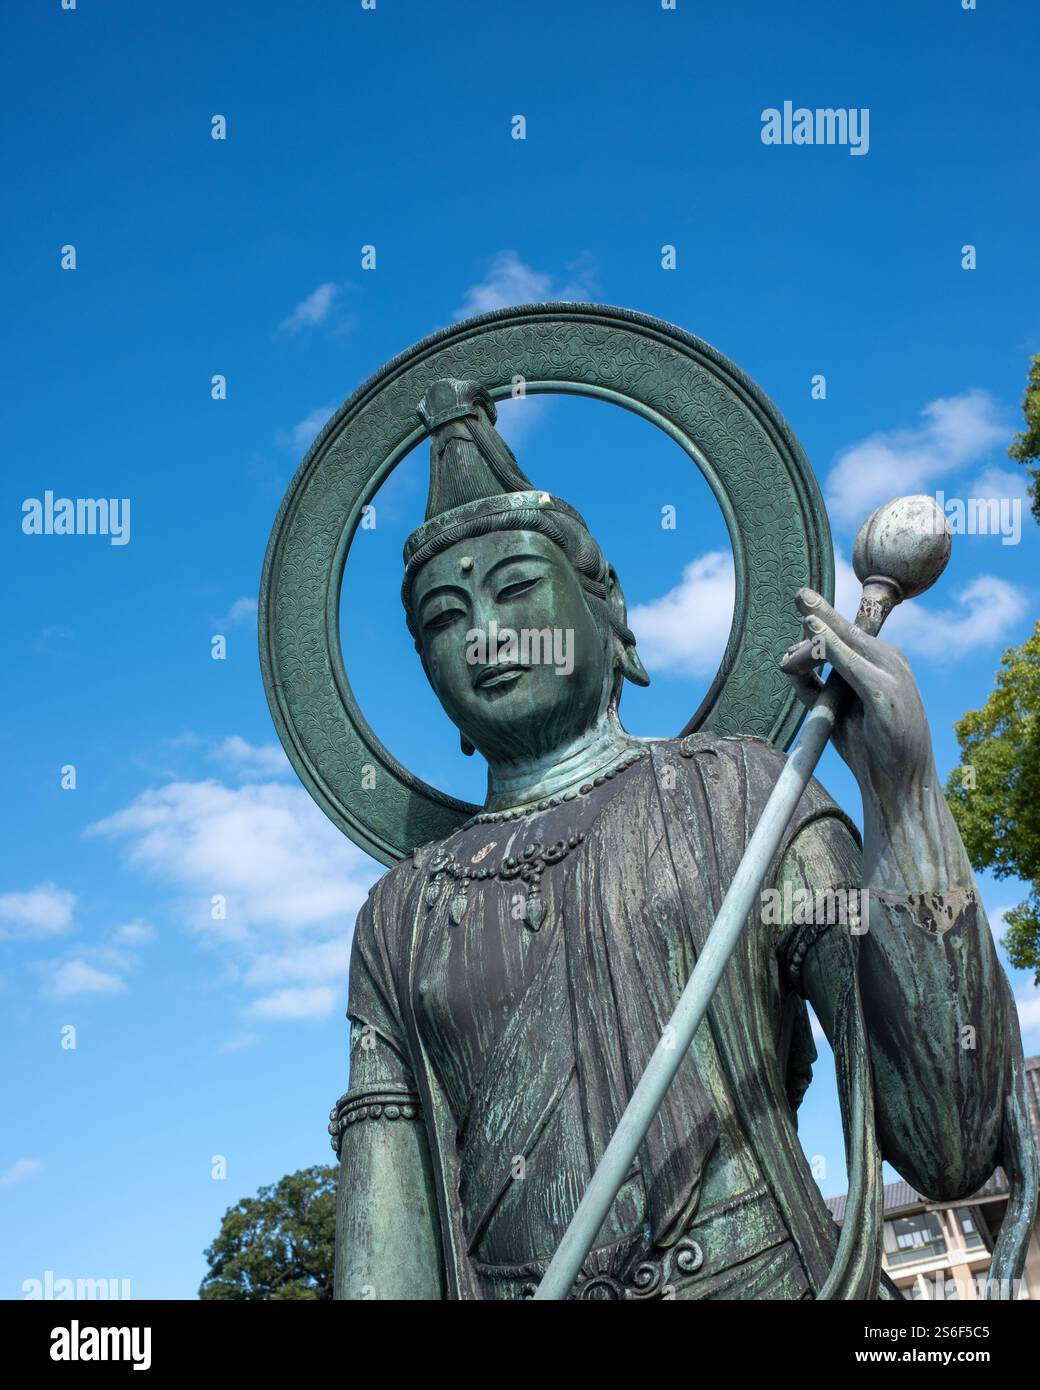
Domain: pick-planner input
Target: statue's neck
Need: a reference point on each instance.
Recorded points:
(516, 784)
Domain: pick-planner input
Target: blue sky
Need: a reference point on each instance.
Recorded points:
(243, 257)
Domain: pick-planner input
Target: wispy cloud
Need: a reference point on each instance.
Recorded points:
(250, 759)
(685, 631)
(997, 917)
(43, 911)
(299, 437)
(297, 1005)
(19, 1171)
(134, 934)
(312, 311)
(982, 615)
(78, 979)
(291, 883)
(1028, 1001)
(999, 483)
(517, 417)
(510, 280)
(242, 611)
(264, 847)
(956, 433)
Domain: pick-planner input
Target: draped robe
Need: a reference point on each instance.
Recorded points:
(629, 910)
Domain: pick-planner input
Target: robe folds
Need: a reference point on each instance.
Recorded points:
(632, 906)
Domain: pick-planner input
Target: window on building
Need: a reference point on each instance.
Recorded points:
(973, 1237)
(917, 1237)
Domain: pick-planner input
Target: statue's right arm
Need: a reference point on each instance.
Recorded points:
(387, 1225)
(387, 1231)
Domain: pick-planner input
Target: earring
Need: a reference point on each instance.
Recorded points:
(466, 746)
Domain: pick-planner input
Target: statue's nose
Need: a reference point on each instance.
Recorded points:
(485, 611)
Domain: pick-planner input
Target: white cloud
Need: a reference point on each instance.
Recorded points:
(957, 432)
(982, 615)
(252, 760)
(291, 881)
(847, 590)
(303, 434)
(243, 610)
(313, 963)
(511, 281)
(517, 417)
(87, 971)
(76, 979)
(295, 1005)
(1029, 1009)
(312, 311)
(999, 483)
(685, 630)
(134, 934)
(41, 911)
(19, 1171)
(266, 848)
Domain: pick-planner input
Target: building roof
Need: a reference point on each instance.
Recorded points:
(901, 1196)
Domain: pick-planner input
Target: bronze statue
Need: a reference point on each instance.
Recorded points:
(510, 980)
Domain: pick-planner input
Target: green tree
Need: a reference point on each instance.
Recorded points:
(995, 794)
(1025, 447)
(278, 1244)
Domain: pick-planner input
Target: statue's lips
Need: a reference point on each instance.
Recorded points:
(497, 675)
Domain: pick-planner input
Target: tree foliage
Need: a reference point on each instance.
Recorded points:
(1025, 447)
(995, 794)
(279, 1244)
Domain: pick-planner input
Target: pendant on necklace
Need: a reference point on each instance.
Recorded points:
(534, 911)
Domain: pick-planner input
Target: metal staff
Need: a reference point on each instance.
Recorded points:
(900, 551)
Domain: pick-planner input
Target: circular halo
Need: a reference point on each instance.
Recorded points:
(735, 435)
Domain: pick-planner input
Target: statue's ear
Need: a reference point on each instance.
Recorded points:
(628, 658)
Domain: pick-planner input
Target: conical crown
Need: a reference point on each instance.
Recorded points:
(469, 459)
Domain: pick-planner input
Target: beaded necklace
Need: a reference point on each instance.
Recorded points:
(528, 866)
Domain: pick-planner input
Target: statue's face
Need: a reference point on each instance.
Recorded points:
(520, 698)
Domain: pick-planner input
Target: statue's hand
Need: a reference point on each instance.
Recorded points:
(883, 734)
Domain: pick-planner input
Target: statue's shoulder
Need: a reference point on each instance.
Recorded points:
(743, 761)
(387, 893)
(745, 748)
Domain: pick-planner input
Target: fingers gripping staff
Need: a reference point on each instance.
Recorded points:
(900, 552)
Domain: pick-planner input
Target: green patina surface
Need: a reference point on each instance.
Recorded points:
(514, 972)
(737, 437)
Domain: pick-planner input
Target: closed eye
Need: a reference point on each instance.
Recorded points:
(522, 586)
(442, 619)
